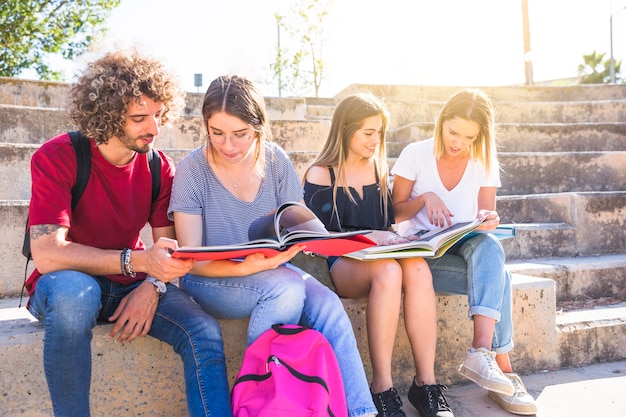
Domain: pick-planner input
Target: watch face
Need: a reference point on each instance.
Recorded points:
(160, 285)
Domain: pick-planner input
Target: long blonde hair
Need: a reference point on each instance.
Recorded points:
(471, 104)
(347, 119)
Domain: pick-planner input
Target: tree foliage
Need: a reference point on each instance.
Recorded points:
(299, 64)
(33, 30)
(597, 70)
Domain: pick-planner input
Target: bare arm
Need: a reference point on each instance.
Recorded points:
(53, 252)
(405, 208)
(487, 207)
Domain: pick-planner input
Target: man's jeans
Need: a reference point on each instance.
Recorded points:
(69, 304)
(475, 267)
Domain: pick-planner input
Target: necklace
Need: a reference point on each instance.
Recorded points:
(225, 171)
(236, 183)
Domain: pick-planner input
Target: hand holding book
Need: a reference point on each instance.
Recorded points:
(291, 224)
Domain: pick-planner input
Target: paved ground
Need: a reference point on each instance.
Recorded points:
(590, 391)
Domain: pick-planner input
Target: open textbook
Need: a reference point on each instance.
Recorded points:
(432, 244)
(292, 223)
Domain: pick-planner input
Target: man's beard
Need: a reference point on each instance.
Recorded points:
(131, 143)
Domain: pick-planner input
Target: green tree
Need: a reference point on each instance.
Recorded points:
(33, 30)
(597, 70)
(299, 64)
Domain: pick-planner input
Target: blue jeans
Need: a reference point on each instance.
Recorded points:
(69, 304)
(267, 298)
(283, 296)
(475, 267)
(324, 312)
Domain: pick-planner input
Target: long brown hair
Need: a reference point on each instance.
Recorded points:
(239, 97)
(347, 119)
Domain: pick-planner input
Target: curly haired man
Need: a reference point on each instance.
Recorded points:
(91, 263)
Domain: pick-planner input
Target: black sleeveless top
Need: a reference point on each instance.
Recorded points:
(365, 214)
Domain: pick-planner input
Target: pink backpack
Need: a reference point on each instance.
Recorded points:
(289, 371)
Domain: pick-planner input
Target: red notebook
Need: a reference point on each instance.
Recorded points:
(292, 223)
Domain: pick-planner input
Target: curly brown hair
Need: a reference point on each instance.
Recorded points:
(100, 98)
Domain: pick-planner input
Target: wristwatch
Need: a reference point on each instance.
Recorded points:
(159, 285)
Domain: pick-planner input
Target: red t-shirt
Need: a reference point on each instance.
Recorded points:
(115, 206)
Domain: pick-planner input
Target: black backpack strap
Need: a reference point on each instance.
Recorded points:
(154, 162)
(82, 147)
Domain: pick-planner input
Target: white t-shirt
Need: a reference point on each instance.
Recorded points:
(417, 163)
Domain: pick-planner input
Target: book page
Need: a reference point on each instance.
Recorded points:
(297, 217)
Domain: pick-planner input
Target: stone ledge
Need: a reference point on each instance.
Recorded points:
(145, 376)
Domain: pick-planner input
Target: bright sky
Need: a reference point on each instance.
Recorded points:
(428, 42)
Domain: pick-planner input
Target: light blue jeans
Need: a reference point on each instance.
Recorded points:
(267, 298)
(69, 304)
(289, 295)
(324, 312)
(475, 267)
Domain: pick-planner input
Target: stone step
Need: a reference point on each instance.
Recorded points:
(518, 93)
(406, 112)
(35, 125)
(579, 278)
(568, 238)
(54, 94)
(591, 336)
(157, 383)
(410, 121)
(530, 137)
(584, 224)
(556, 172)
(596, 111)
(523, 172)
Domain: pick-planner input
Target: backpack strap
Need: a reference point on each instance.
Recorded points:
(154, 162)
(82, 147)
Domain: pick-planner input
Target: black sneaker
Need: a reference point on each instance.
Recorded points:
(388, 403)
(429, 400)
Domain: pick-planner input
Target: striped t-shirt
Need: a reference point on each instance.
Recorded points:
(196, 190)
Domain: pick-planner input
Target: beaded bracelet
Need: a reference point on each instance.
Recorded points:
(127, 268)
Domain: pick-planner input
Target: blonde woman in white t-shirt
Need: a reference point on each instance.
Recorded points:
(453, 178)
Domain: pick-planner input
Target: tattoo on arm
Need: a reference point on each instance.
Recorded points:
(40, 230)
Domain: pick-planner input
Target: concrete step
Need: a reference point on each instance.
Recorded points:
(552, 123)
(530, 137)
(513, 93)
(592, 336)
(555, 172)
(566, 340)
(578, 278)
(157, 383)
(523, 172)
(559, 225)
(593, 111)
(35, 125)
(49, 93)
(590, 223)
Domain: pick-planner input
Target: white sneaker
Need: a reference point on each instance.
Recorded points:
(480, 367)
(521, 402)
